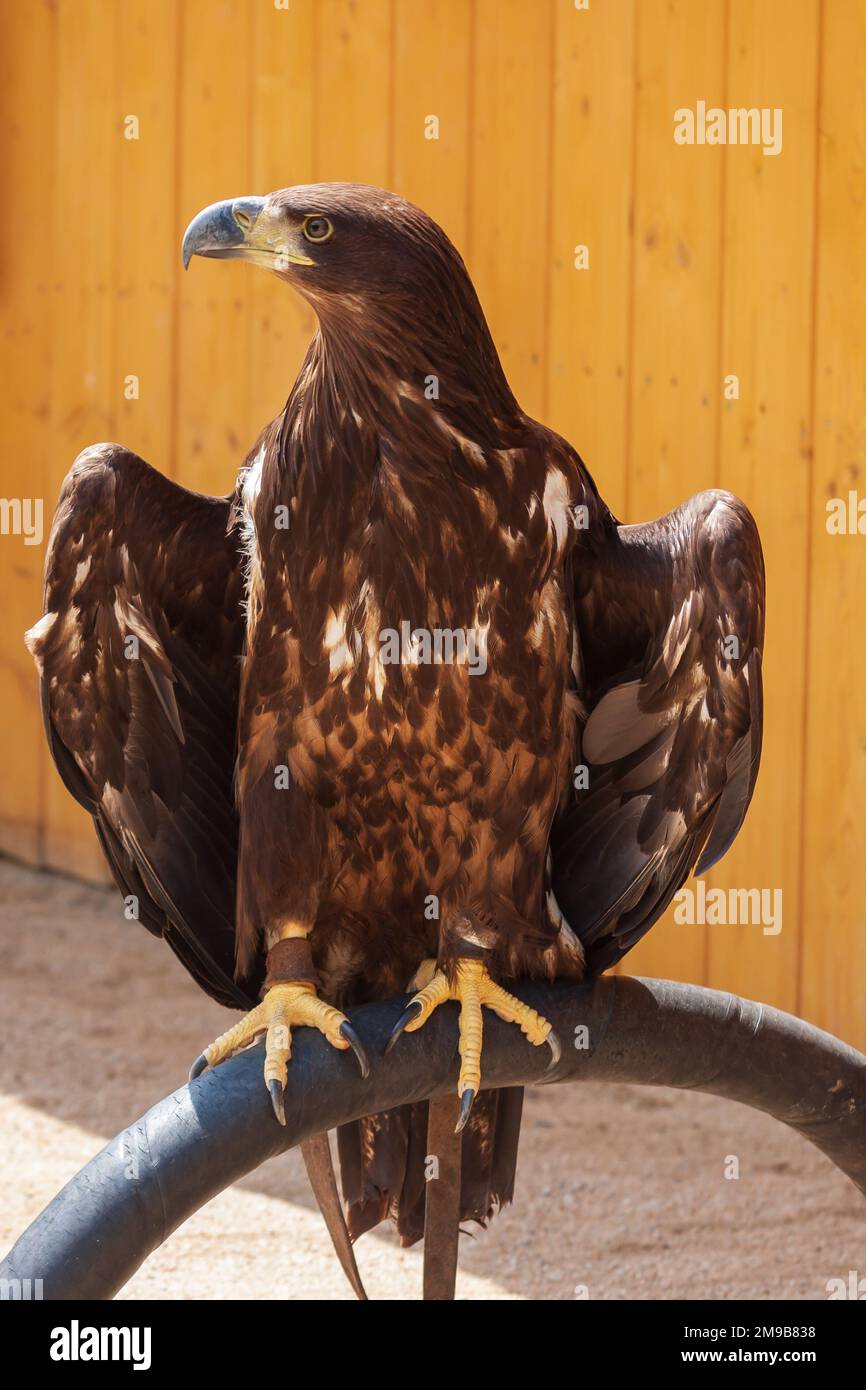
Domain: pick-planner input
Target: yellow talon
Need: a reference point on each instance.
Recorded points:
(473, 988)
(284, 1007)
(428, 999)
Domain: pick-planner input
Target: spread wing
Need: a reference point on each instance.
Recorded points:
(669, 623)
(139, 656)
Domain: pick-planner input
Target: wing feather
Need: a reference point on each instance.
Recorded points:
(143, 731)
(669, 622)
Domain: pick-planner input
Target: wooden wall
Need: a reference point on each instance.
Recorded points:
(556, 129)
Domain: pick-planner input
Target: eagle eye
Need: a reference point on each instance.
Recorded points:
(317, 228)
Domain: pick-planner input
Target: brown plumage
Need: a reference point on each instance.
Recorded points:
(402, 483)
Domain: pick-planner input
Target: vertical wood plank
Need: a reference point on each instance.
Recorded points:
(353, 91)
(509, 236)
(676, 387)
(215, 144)
(147, 276)
(592, 165)
(281, 322)
(432, 76)
(27, 132)
(834, 956)
(764, 456)
(85, 244)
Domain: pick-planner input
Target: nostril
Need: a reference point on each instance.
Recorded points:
(245, 212)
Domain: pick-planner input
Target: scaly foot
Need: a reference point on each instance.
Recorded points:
(283, 1008)
(472, 988)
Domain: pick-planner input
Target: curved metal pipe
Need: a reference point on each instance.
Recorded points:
(124, 1203)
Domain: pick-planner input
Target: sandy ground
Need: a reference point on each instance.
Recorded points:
(620, 1189)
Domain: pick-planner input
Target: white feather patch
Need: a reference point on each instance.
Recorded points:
(557, 504)
(35, 636)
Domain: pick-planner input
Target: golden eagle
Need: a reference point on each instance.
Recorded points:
(410, 707)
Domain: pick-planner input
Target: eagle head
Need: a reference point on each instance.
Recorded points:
(325, 238)
(380, 274)
(342, 245)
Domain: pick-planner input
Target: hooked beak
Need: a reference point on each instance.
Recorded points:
(242, 229)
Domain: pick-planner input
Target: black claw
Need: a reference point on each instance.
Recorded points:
(556, 1048)
(275, 1089)
(466, 1102)
(405, 1017)
(348, 1032)
(198, 1066)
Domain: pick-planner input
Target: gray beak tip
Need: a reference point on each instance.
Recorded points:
(220, 228)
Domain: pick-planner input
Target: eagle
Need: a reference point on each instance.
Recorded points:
(409, 710)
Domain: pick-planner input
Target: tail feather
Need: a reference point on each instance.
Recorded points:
(383, 1157)
(316, 1153)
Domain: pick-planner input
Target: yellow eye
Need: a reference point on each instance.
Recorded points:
(317, 229)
